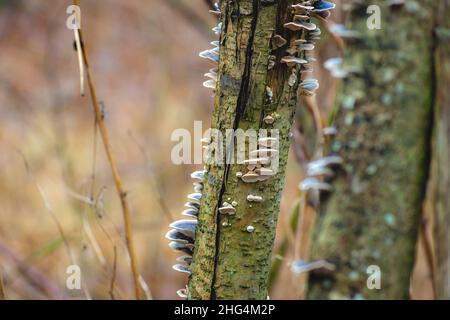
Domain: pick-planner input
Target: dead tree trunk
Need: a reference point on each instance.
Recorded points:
(233, 252)
(383, 122)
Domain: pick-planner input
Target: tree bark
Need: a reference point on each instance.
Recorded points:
(229, 262)
(383, 121)
(441, 153)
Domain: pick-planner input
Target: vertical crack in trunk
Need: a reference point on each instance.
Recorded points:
(240, 109)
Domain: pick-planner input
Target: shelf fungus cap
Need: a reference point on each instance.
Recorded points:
(278, 41)
(326, 161)
(306, 46)
(210, 84)
(198, 187)
(193, 213)
(314, 184)
(256, 161)
(211, 75)
(217, 29)
(269, 119)
(292, 61)
(250, 177)
(192, 205)
(319, 172)
(183, 247)
(264, 172)
(315, 33)
(301, 17)
(182, 293)
(299, 25)
(341, 31)
(300, 266)
(185, 226)
(198, 175)
(187, 259)
(181, 268)
(299, 8)
(209, 55)
(195, 197)
(253, 198)
(311, 86)
(229, 209)
(174, 235)
(329, 131)
(321, 6)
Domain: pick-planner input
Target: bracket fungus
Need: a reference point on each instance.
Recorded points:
(181, 268)
(250, 229)
(227, 209)
(300, 266)
(253, 198)
(292, 61)
(185, 226)
(269, 119)
(278, 41)
(299, 25)
(195, 197)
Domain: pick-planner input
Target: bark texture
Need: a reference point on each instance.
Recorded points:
(441, 152)
(383, 122)
(229, 262)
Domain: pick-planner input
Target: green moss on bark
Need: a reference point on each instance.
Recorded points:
(383, 120)
(229, 262)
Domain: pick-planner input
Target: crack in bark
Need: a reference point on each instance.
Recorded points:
(240, 109)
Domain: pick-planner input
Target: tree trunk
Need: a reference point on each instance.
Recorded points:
(441, 153)
(229, 262)
(383, 122)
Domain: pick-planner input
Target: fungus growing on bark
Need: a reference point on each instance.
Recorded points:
(278, 41)
(292, 61)
(253, 198)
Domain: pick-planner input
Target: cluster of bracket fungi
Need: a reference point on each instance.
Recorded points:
(182, 233)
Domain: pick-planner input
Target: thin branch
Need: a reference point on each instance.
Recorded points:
(115, 171)
(113, 278)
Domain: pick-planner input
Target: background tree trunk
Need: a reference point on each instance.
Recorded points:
(441, 154)
(229, 262)
(384, 121)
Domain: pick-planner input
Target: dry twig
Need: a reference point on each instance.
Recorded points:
(115, 171)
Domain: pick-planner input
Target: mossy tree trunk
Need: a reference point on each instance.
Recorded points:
(229, 262)
(383, 123)
(441, 154)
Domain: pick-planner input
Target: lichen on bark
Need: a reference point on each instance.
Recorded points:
(228, 261)
(383, 124)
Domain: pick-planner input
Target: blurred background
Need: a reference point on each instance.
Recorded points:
(146, 69)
